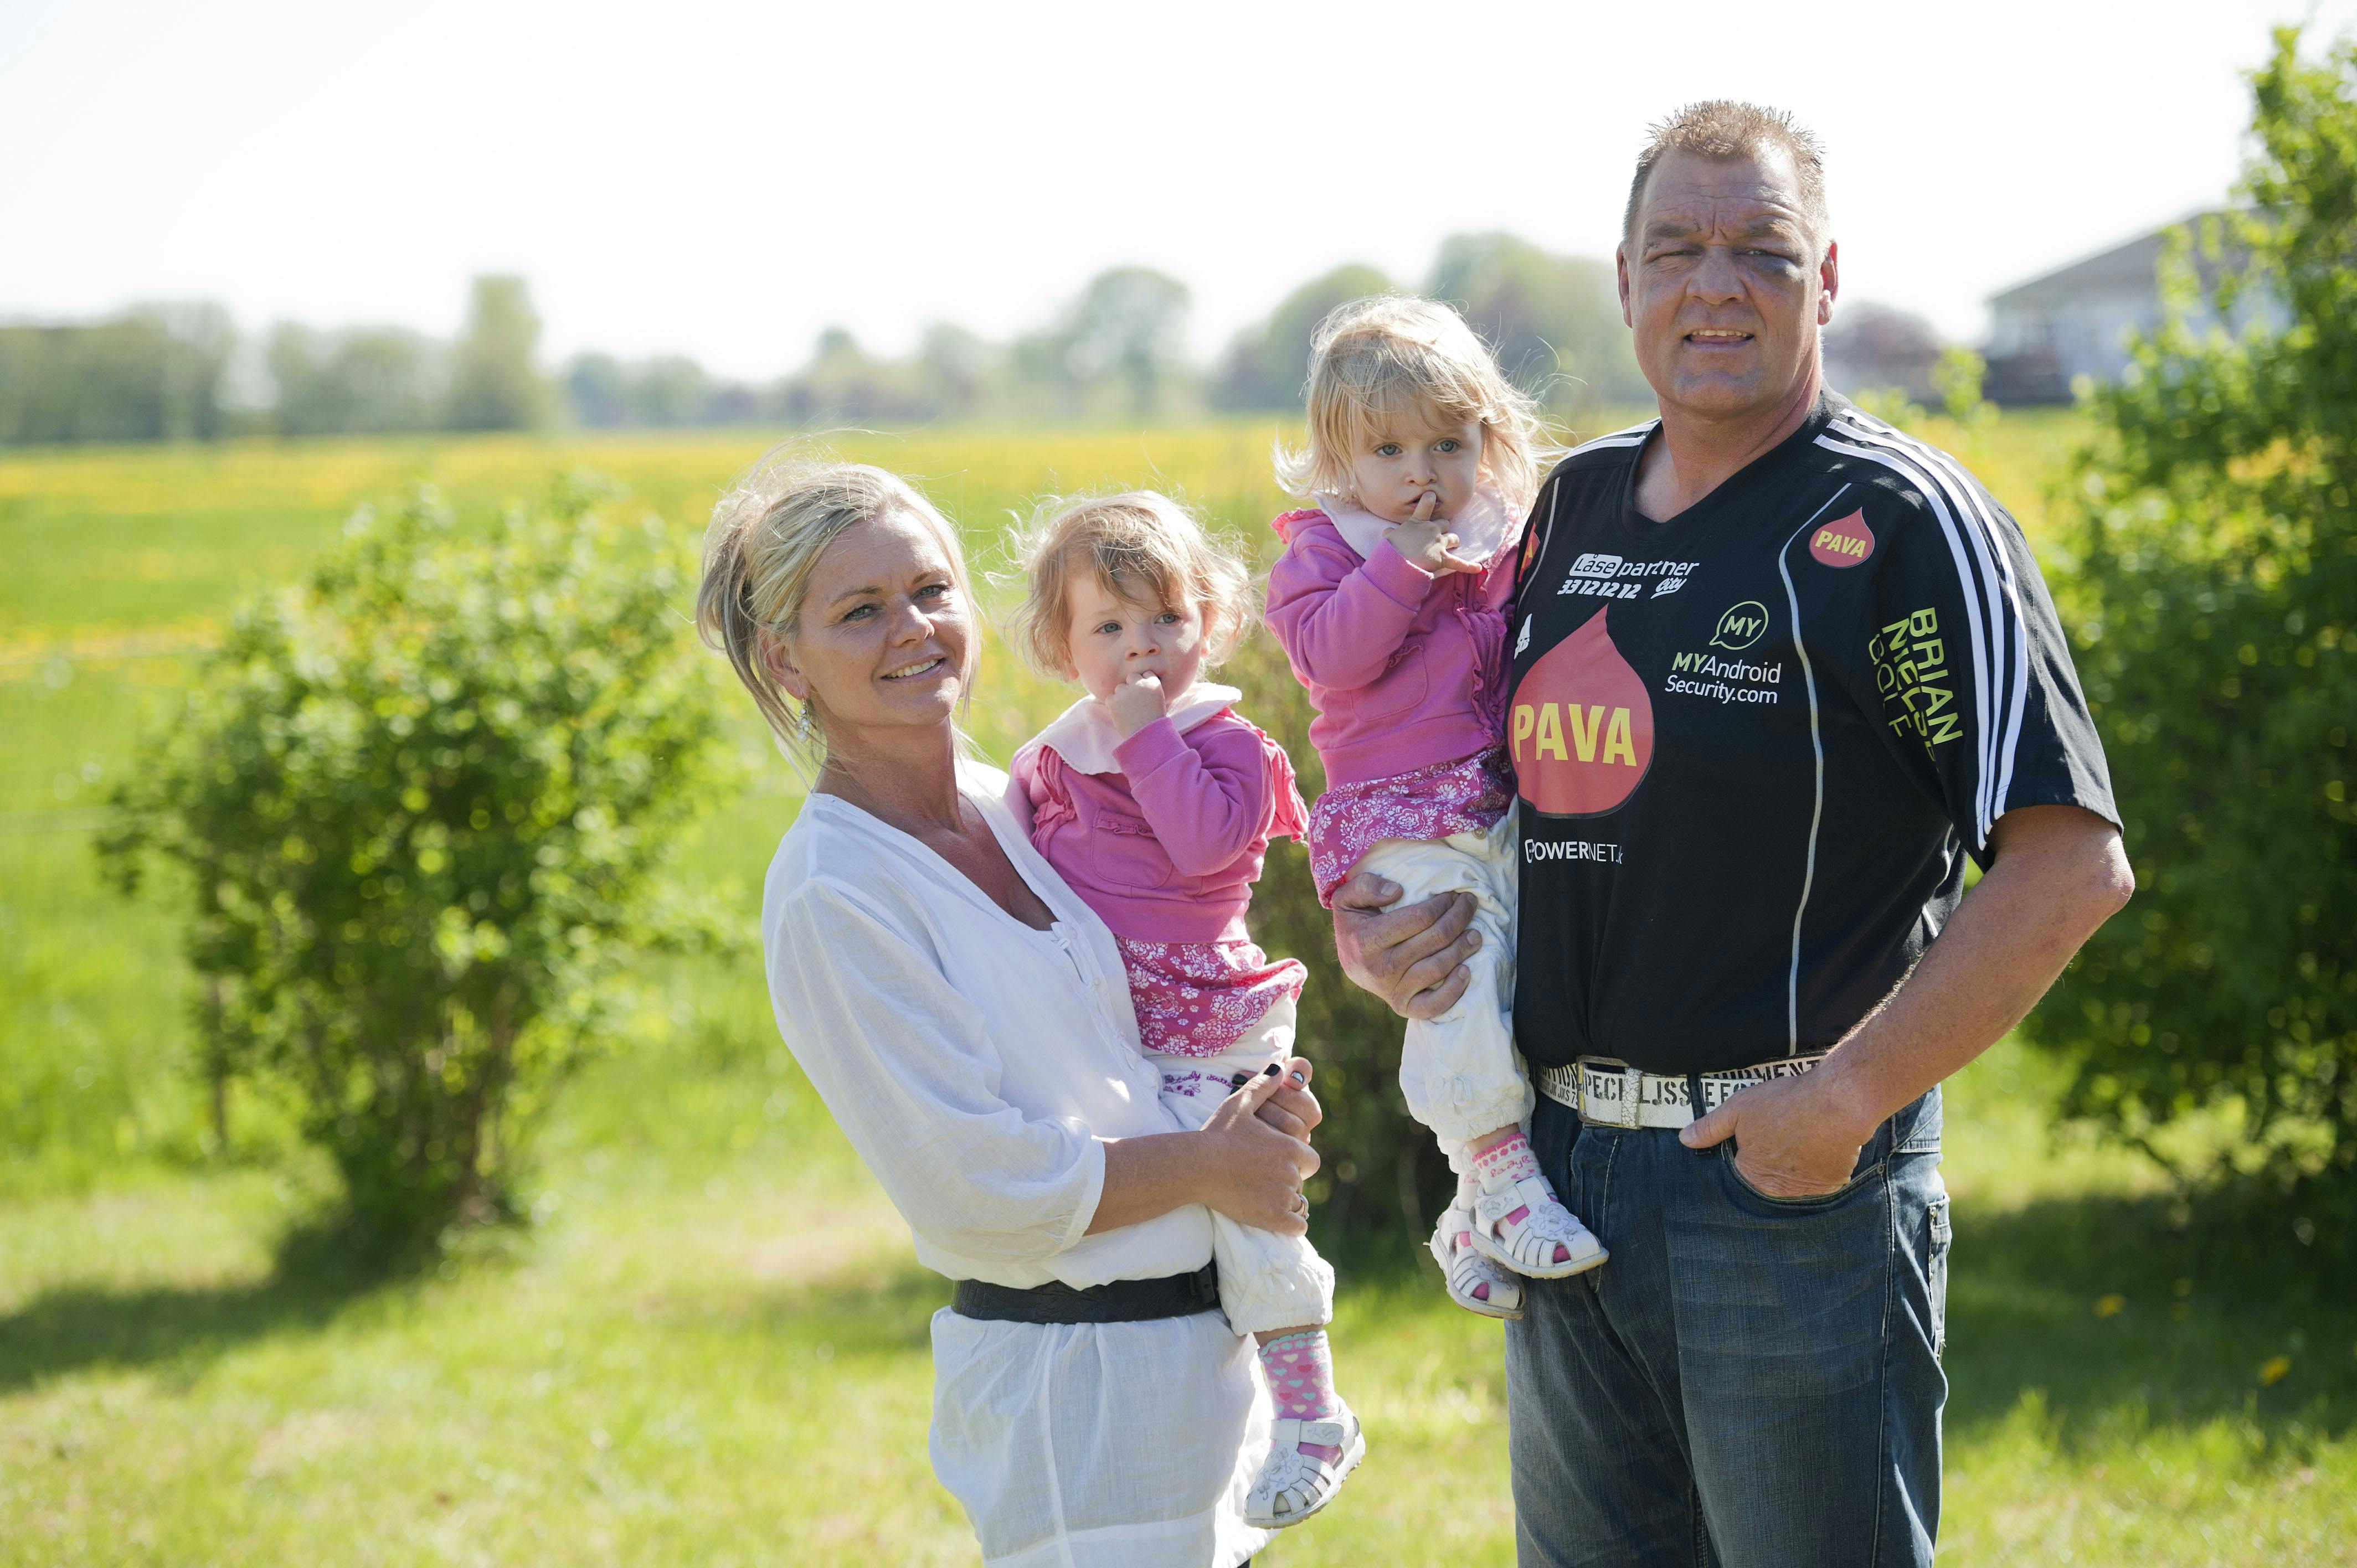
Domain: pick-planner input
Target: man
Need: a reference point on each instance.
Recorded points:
(1778, 671)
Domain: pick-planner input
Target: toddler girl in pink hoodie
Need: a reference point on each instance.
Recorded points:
(1156, 802)
(1390, 601)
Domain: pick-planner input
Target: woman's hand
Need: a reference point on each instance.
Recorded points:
(1293, 1109)
(1252, 1173)
(1412, 958)
(1427, 541)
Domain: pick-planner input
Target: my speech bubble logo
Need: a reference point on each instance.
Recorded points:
(1741, 625)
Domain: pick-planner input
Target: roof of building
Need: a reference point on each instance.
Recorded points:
(2125, 267)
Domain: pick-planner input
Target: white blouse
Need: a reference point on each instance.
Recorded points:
(973, 1063)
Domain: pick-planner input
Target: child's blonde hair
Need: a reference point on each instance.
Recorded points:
(1137, 542)
(767, 535)
(1376, 360)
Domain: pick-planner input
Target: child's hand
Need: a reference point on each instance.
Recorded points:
(1136, 703)
(1426, 540)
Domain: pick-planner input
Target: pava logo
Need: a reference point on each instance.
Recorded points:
(1581, 726)
(1845, 541)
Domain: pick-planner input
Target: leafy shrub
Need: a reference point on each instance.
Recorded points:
(1382, 1171)
(2218, 648)
(422, 800)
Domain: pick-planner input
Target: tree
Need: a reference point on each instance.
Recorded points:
(494, 384)
(367, 379)
(422, 802)
(845, 384)
(1555, 321)
(1873, 348)
(153, 374)
(1123, 336)
(1267, 365)
(2218, 648)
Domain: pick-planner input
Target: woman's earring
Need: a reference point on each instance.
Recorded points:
(805, 722)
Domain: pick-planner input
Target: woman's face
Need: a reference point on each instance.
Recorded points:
(881, 642)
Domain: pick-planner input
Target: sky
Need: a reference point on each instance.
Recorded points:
(725, 181)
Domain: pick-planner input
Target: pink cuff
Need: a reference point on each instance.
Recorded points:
(1149, 748)
(1396, 577)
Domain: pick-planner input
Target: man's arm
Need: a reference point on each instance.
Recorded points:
(2058, 872)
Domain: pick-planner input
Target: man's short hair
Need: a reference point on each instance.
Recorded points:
(1723, 130)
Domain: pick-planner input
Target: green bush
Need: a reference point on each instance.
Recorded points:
(2217, 643)
(1381, 1171)
(421, 800)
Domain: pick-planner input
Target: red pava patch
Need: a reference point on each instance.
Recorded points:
(1845, 541)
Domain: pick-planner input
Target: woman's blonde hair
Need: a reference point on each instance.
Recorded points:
(767, 535)
(1137, 542)
(1380, 359)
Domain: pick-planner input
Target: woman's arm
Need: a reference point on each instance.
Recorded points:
(908, 1073)
(906, 1070)
(1340, 620)
(1237, 1163)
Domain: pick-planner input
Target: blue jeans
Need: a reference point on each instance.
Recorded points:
(1749, 1381)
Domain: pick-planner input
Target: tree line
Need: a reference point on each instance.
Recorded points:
(1115, 350)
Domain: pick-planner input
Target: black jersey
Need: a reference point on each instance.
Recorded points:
(1754, 744)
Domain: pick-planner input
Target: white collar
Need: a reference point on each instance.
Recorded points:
(1484, 530)
(1084, 736)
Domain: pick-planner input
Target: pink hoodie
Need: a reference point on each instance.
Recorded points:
(1162, 834)
(1405, 670)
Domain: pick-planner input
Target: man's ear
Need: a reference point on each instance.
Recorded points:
(1620, 272)
(1829, 278)
(778, 661)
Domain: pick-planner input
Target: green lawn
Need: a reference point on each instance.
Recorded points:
(711, 1346)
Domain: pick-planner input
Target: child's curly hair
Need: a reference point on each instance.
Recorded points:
(1139, 543)
(1378, 358)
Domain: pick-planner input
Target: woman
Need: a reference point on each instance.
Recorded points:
(966, 1019)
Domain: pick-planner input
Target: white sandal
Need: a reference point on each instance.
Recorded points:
(1528, 1245)
(1467, 1271)
(1294, 1485)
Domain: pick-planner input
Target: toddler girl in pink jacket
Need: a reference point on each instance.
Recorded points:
(1390, 601)
(1155, 801)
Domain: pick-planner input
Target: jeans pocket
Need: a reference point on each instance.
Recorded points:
(1936, 1273)
(1809, 1204)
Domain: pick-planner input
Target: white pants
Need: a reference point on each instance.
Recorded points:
(1460, 1071)
(1267, 1281)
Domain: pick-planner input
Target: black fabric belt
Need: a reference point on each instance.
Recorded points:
(1115, 1301)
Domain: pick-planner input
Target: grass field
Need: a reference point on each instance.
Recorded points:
(711, 1346)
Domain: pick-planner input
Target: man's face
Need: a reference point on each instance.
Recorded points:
(1722, 282)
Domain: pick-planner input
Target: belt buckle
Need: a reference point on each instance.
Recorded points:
(1628, 1117)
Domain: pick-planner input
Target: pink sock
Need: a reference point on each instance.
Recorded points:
(1509, 1161)
(1300, 1371)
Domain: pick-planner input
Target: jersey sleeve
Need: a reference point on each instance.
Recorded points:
(1964, 660)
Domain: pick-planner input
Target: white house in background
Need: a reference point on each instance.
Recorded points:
(2075, 321)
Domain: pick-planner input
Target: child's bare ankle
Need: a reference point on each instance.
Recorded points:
(1489, 1141)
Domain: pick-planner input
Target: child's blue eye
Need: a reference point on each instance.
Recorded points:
(1168, 617)
(1388, 449)
(1449, 445)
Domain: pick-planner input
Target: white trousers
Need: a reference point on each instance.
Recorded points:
(1267, 1281)
(1460, 1071)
